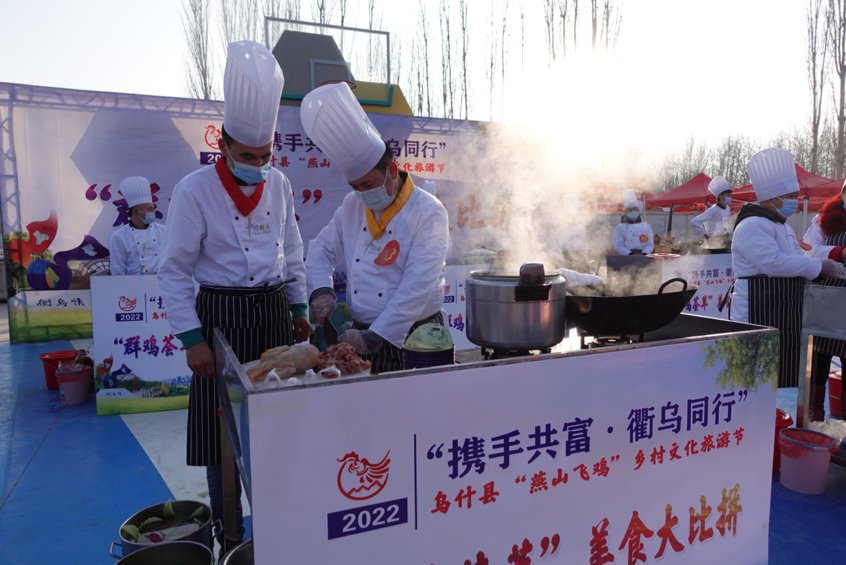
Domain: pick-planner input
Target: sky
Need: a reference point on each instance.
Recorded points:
(682, 67)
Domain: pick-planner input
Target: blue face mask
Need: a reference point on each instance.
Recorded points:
(250, 174)
(149, 217)
(377, 199)
(633, 215)
(727, 200)
(788, 207)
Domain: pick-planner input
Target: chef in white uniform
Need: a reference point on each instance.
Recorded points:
(769, 264)
(392, 235)
(817, 238)
(231, 227)
(827, 238)
(134, 248)
(715, 222)
(632, 236)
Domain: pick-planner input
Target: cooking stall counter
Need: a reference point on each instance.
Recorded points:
(388, 468)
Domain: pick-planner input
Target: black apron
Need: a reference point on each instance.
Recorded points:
(252, 320)
(777, 302)
(827, 345)
(389, 357)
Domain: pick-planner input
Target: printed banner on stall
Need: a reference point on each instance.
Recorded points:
(63, 202)
(714, 276)
(660, 460)
(455, 305)
(139, 365)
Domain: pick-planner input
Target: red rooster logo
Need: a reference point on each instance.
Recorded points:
(212, 135)
(127, 304)
(359, 479)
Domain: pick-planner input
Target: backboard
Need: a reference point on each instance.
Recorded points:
(312, 54)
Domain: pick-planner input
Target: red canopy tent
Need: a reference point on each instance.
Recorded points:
(693, 192)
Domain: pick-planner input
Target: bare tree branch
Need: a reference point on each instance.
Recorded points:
(195, 23)
(462, 14)
(836, 16)
(816, 58)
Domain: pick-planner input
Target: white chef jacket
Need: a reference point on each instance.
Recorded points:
(136, 252)
(713, 222)
(209, 240)
(815, 237)
(628, 237)
(763, 247)
(389, 298)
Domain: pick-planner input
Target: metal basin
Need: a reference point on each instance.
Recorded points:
(182, 509)
(171, 553)
(241, 555)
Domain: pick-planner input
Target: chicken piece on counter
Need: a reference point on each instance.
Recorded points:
(287, 360)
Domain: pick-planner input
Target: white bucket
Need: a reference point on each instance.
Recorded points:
(805, 455)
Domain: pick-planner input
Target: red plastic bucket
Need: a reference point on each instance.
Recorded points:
(51, 361)
(783, 420)
(805, 456)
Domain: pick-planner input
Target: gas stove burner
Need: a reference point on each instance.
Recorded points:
(610, 341)
(488, 353)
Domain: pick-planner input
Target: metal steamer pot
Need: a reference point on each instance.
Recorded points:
(599, 315)
(516, 312)
(181, 508)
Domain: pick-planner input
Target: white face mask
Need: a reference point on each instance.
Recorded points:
(377, 199)
(149, 217)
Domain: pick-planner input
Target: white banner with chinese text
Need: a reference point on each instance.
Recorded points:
(666, 457)
(139, 365)
(713, 275)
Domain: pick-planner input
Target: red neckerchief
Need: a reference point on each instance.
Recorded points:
(833, 217)
(245, 204)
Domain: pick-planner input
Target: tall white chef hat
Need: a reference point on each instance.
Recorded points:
(252, 88)
(772, 173)
(136, 191)
(335, 121)
(630, 200)
(718, 185)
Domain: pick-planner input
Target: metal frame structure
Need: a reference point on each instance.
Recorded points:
(388, 85)
(822, 316)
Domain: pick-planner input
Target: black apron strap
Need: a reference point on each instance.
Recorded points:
(777, 302)
(251, 322)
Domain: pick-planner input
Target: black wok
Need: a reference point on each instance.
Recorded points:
(606, 316)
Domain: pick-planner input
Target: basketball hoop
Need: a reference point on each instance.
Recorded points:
(350, 83)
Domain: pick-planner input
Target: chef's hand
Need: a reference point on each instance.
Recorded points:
(364, 342)
(843, 255)
(200, 359)
(302, 328)
(832, 269)
(322, 307)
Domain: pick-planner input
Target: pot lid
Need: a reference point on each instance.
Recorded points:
(551, 275)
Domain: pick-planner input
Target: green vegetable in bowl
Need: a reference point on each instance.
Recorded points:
(149, 522)
(130, 532)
